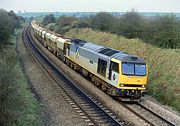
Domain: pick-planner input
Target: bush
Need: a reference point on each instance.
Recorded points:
(164, 31)
(81, 23)
(65, 21)
(130, 25)
(64, 24)
(8, 22)
(63, 30)
(102, 21)
(5, 26)
(16, 20)
(48, 19)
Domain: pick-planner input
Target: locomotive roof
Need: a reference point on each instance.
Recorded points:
(112, 53)
(92, 47)
(101, 49)
(128, 58)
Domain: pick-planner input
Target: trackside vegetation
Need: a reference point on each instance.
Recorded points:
(17, 104)
(163, 63)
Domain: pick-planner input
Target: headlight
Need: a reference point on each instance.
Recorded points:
(143, 86)
(122, 85)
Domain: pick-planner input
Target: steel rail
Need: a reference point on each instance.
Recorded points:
(155, 114)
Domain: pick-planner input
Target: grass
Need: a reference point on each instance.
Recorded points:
(164, 64)
(18, 106)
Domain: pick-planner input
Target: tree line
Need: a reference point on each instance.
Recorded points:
(8, 22)
(161, 31)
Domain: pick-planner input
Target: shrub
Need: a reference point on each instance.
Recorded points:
(65, 21)
(164, 32)
(102, 21)
(5, 26)
(48, 19)
(130, 25)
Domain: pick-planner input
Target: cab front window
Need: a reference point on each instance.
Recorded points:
(128, 69)
(140, 69)
(133, 69)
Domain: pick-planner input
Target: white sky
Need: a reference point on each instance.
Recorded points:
(91, 5)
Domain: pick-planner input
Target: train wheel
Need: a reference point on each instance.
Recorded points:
(75, 67)
(67, 62)
(71, 65)
(112, 91)
(84, 72)
(55, 53)
(96, 82)
(64, 59)
(103, 87)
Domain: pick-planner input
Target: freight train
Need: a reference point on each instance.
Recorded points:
(119, 74)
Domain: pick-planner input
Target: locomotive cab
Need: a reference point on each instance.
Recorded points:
(129, 77)
(114, 72)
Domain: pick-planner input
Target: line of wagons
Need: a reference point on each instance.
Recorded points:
(117, 73)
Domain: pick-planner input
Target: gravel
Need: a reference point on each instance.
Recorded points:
(166, 114)
(150, 117)
(56, 110)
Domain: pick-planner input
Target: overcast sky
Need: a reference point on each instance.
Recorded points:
(91, 5)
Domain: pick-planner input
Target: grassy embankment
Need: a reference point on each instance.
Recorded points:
(18, 105)
(164, 64)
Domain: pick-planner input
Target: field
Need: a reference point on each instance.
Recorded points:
(164, 64)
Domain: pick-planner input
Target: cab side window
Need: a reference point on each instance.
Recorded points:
(102, 64)
(115, 67)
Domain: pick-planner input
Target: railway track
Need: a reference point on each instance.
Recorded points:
(144, 110)
(83, 105)
(153, 113)
(90, 110)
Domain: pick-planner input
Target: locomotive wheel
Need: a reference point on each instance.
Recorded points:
(55, 53)
(112, 91)
(64, 59)
(103, 87)
(74, 67)
(71, 65)
(97, 83)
